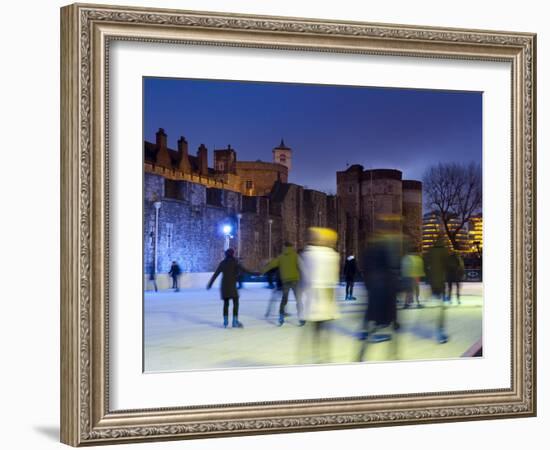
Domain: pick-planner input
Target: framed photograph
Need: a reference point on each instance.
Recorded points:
(278, 224)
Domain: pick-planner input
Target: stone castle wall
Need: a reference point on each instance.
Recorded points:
(191, 218)
(291, 211)
(315, 209)
(192, 215)
(189, 230)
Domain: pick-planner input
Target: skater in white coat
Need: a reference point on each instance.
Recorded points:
(319, 265)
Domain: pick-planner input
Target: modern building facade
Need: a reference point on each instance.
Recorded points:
(475, 234)
(469, 238)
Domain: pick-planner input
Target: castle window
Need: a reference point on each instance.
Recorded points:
(214, 197)
(249, 204)
(282, 158)
(350, 189)
(249, 184)
(171, 189)
(169, 232)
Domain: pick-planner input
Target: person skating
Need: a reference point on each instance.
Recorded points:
(381, 266)
(240, 279)
(276, 286)
(153, 276)
(230, 270)
(287, 263)
(436, 264)
(455, 273)
(412, 269)
(319, 266)
(175, 271)
(350, 272)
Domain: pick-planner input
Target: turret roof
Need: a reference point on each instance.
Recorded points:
(282, 145)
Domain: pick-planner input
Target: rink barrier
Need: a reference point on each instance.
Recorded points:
(196, 280)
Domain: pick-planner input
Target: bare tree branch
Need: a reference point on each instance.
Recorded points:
(454, 192)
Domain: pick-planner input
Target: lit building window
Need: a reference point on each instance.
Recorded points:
(468, 240)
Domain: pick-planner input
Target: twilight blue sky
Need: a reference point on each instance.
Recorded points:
(327, 127)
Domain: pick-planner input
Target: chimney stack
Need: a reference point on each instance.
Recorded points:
(202, 156)
(183, 154)
(163, 157)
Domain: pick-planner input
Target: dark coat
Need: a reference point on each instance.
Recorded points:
(350, 269)
(273, 276)
(381, 269)
(455, 268)
(175, 270)
(152, 272)
(436, 266)
(231, 270)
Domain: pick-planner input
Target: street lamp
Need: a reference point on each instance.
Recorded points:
(270, 222)
(239, 217)
(227, 236)
(157, 205)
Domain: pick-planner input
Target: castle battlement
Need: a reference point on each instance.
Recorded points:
(246, 177)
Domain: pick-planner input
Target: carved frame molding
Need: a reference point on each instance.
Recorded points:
(86, 33)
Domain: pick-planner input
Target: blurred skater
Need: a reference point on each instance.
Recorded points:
(153, 276)
(320, 265)
(276, 286)
(350, 271)
(436, 271)
(287, 263)
(455, 273)
(412, 270)
(381, 268)
(240, 278)
(230, 270)
(175, 271)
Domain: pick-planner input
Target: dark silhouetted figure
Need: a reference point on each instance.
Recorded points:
(455, 273)
(350, 272)
(153, 276)
(231, 270)
(436, 266)
(271, 277)
(381, 268)
(175, 271)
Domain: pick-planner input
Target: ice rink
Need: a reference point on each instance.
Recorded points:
(184, 331)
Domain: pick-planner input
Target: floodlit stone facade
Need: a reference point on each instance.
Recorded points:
(255, 202)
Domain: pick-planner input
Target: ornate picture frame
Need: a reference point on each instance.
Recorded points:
(87, 31)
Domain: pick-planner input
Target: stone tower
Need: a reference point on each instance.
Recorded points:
(368, 198)
(283, 155)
